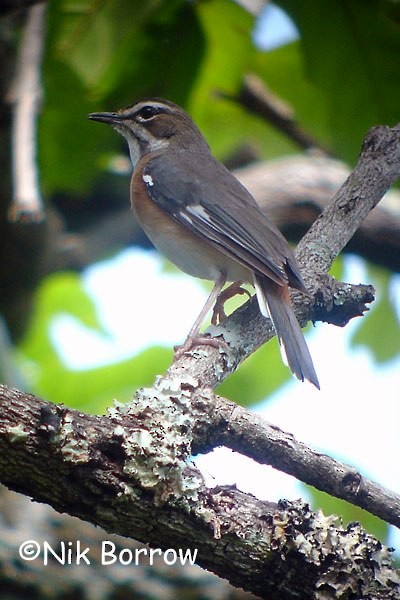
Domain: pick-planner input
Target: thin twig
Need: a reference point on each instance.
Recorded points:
(258, 99)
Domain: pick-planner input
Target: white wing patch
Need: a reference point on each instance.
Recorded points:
(185, 217)
(263, 304)
(262, 301)
(148, 180)
(198, 210)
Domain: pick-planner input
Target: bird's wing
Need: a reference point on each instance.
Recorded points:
(201, 194)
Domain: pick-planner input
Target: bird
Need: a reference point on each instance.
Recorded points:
(196, 213)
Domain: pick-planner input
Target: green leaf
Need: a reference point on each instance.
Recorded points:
(351, 52)
(106, 43)
(159, 54)
(380, 330)
(68, 142)
(91, 389)
(230, 55)
(227, 29)
(104, 56)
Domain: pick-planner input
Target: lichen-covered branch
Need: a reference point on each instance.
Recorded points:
(105, 470)
(106, 577)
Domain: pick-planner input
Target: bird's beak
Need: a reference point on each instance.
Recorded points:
(112, 118)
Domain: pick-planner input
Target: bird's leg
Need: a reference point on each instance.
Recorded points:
(194, 337)
(218, 311)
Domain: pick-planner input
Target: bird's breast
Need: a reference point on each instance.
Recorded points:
(189, 252)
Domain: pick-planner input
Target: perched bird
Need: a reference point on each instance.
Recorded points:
(203, 220)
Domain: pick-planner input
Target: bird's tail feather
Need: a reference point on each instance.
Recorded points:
(274, 302)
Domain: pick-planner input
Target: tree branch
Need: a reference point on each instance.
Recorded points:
(377, 169)
(258, 99)
(152, 572)
(25, 96)
(222, 422)
(116, 473)
(294, 190)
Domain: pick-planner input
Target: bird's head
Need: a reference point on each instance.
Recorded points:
(154, 124)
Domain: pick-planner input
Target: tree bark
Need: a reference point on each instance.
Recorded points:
(115, 473)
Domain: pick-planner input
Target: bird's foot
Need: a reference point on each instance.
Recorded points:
(198, 340)
(218, 311)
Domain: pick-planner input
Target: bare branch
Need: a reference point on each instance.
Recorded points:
(222, 422)
(257, 98)
(26, 95)
(377, 169)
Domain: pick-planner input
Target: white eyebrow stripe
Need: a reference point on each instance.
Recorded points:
(138, 107)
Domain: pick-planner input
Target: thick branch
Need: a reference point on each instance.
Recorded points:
(277, 551)
(148, 570)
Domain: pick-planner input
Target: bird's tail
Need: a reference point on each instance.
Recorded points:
(274, 302)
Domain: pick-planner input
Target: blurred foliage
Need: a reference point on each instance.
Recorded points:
(91, 390)
(341, 77)
(350, 53)
(380, 333)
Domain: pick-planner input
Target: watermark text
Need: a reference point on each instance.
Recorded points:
(76, 553)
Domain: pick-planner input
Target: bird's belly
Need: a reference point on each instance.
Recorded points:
(187, 251)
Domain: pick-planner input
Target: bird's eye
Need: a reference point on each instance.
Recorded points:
(147, 112)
